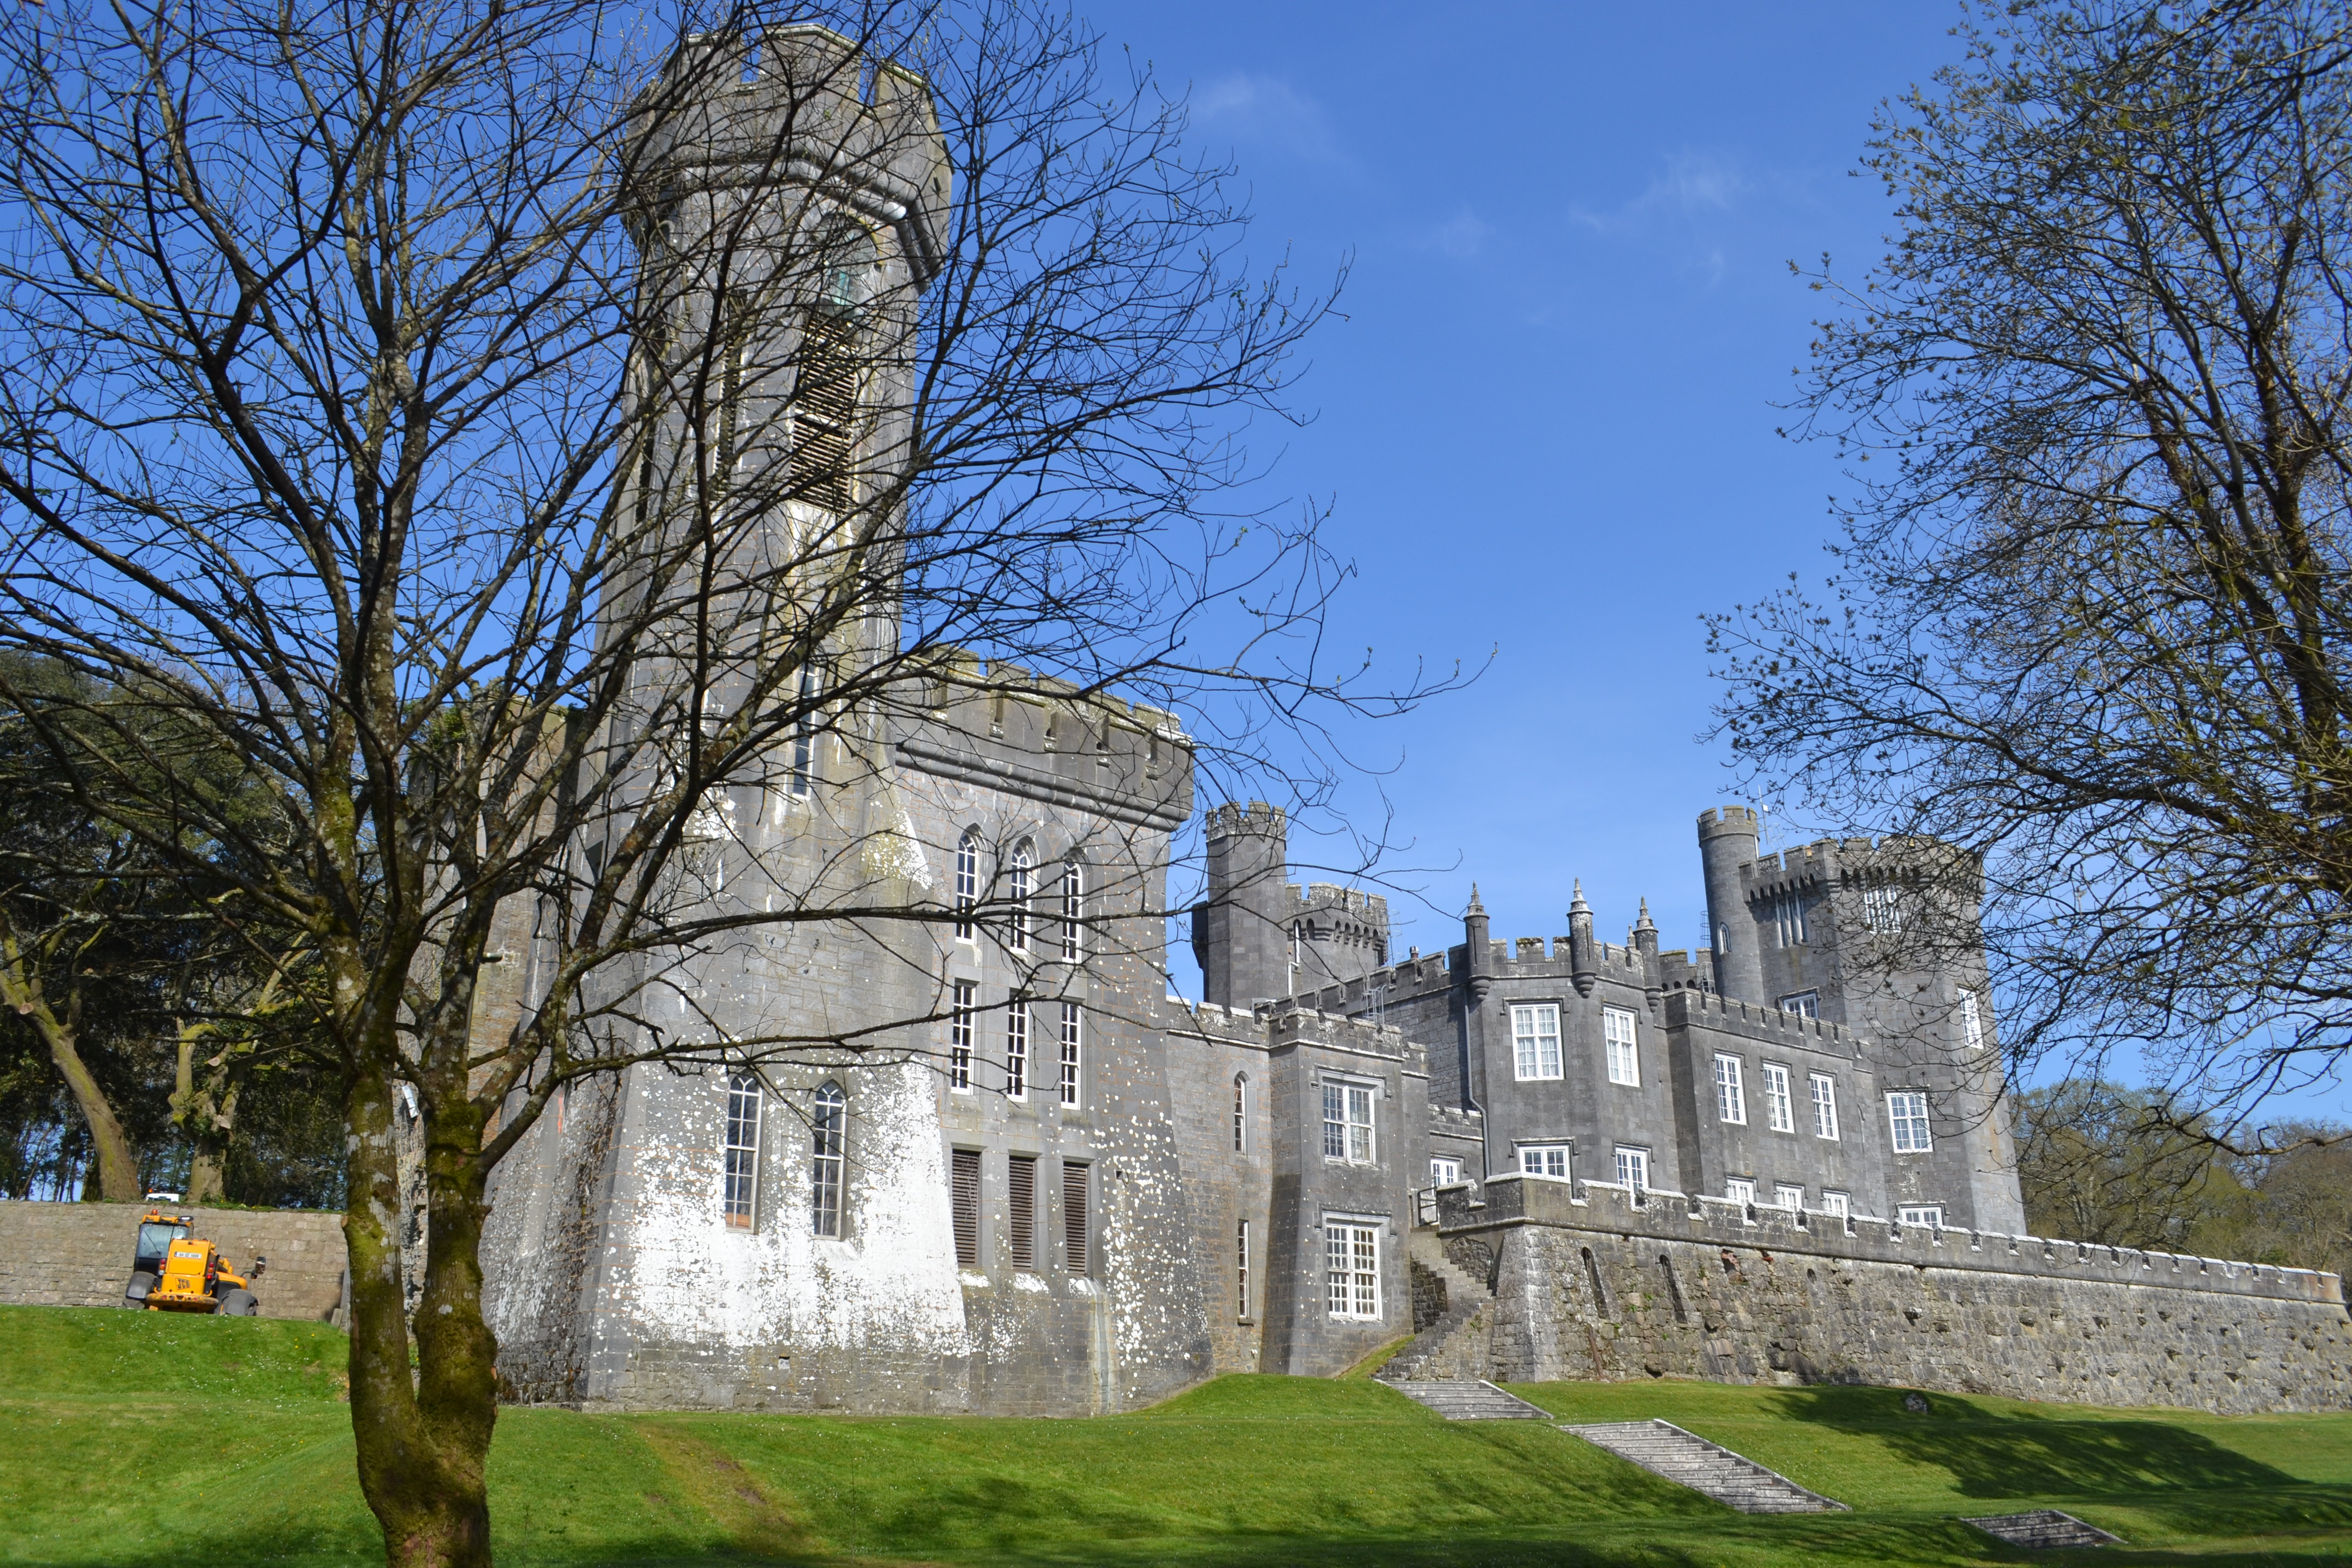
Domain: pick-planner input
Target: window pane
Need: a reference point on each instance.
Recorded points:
(1730, 1095)
(827, 1129)
(1826, 1118)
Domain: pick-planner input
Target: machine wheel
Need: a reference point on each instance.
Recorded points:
(237, 1304)
(134, 1295)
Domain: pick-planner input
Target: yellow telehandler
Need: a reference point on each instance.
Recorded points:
(173, 1271)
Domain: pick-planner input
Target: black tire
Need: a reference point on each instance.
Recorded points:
(134, 1295)
(237, 1304)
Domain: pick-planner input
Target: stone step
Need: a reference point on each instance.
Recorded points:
(1688, 1459)
(2043, 1529)
(1461, 1399)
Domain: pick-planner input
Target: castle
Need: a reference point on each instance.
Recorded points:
(1068, 1192)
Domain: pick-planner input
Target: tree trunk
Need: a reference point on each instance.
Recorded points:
(117, 1168)
(424, 1438)
(206, 1115)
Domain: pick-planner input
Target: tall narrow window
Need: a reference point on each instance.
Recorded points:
(1071, 1024)
(1016, 1051)
(967, 883)
(1618, 1043)
(1021, 1193)
(1023, 877)
(1535, 1040)
(1074, 909)
(1075, 1250)
(1348, 1122)
(743, 1149)
(1780, 1109)
(1241, 1272)
(1790, 909)
(828, 1123)
(966, 999)
(735, 315)
(1352, 1269)
(963, 1205)
(1907, 1115)
(1972, 1022)
(1241, 1113)
(1730, 1095)
(804, 733)
(1882, 908)
(1825, 1120)
(824, 401)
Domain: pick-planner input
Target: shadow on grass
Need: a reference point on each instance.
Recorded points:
(2009, 1453)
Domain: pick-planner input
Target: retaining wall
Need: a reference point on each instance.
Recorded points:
(79, 1255)
(1589, 1286)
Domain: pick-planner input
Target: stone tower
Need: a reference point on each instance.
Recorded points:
(1241, 934)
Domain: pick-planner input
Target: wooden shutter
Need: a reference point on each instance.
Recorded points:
(1074, 1217)
(1021, 1185)
(964, 1200)
(825, 409)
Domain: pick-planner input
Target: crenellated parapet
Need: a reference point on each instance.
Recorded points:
(1698, 1009)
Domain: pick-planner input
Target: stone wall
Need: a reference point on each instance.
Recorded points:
(1589, 1287)
(79, 1255)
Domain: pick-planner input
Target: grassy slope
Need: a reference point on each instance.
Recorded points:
(142, 1440)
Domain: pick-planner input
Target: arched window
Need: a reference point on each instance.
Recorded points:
(827, 1123)
(1022, 878)
(1074, 909)
(743, 1149)
(967, 882)
(825, 394)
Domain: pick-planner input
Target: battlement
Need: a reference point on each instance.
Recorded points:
(1509, 1198)
(800, 105)
(1736, 819)
(1318, 898)
(1837, 862)
(1294, 1019)
(1694, 1008)
(1257, 818)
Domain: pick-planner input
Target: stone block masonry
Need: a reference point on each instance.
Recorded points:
(1588, 1286)
(79, 1255)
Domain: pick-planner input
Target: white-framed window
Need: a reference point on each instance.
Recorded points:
(1824, 1107)
(1352, 1269)
(1022, 878)
(1929, 1215)
(828, 1127)
(967, 1001)
(1535, 1040)
(1906, 1117)
(1780, 1107)
(1071, 1025)
(1633, 1168)
(967, 883)
(1972, 1022)
(1619, 1046)
(1444, 1171)
(1348, 1122)
(1241, 1270)
(1804, 1004)
(1016, 1051)
(1074, 909)
(1241, 1113)
(1788, 1197)
(1544, 1159)
(1731, 1093)
(743, 1097)
(804, 733)
(1790, 907)
(1739, 1189)
(1882, 908)
(1837, 1204)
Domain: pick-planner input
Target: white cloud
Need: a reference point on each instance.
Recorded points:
(1691, 186)
(1266, 111)
(1459, 237)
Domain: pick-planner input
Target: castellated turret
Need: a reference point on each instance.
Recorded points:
(1240, 932)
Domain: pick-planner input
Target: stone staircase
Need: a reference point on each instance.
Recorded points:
(1470, 1399)
(2043, 1529)
(1454, 1347)
(1665, 1449)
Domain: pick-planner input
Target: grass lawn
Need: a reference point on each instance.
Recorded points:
(138, 1441)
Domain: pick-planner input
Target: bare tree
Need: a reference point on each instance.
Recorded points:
(524, 447)
(2092, 611)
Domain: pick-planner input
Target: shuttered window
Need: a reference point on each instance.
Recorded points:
(1074, 1218)
(963, 1200)
(1021, 1192)
(824, 411)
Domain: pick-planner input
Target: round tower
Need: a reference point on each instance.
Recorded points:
(1727, 841)
(1241, 935)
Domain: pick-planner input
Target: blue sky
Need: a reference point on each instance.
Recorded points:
(1547, 423)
